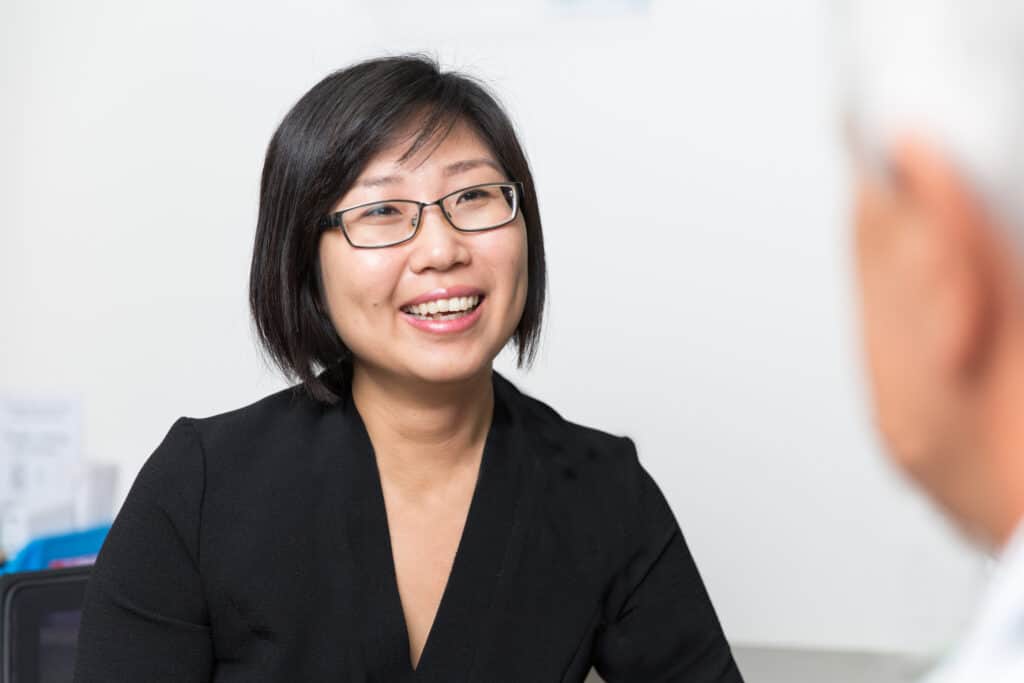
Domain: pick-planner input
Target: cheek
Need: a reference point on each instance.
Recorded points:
(520, 259)
(515, 266)
(880, 338)
(357, 284)
(503, 255)
(894, 369)
(895, 334)
(335, 273)
(878, 279)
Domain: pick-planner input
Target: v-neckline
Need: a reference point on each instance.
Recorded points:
(378, 493)
(476, 569)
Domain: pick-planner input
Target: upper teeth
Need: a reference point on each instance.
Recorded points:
(455, 304)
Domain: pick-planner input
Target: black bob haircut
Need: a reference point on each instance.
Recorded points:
(316, 155)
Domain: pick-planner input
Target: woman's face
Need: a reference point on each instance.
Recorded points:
(368, 291)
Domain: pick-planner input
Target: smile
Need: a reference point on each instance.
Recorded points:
(462, 314)
(444, 309)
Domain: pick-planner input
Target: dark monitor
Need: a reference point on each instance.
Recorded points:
(39, 617)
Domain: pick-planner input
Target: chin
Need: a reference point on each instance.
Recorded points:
(444, 368)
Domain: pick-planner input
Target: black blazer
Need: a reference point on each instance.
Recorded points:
(254, 546)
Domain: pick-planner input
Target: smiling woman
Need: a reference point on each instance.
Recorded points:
(362, 153)
(403, 512)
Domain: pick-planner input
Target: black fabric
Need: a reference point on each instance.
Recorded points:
(254, 547)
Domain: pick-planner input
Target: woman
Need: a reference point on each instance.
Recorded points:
(404, 513)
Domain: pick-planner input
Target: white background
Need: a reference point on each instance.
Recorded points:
(691, 183)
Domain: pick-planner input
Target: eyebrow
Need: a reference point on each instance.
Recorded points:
(449, 170)
(469, 165)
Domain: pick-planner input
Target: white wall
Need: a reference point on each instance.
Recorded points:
(692, 190)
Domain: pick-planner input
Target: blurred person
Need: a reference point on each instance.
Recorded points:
(404, 512)
(936, 115)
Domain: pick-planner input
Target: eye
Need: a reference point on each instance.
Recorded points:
(379, 211)
(476, 194)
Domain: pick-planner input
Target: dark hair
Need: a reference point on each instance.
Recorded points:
(316, 155)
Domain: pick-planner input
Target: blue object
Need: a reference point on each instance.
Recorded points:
(61, 550)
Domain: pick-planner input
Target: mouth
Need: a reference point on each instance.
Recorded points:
(451, 308)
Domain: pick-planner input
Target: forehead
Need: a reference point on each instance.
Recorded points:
(460, 144)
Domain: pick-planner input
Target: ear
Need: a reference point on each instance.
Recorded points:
(958, 245)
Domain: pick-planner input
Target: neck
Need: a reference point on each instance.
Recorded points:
(423, 434)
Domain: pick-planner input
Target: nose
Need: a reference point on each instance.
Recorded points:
(437, 245)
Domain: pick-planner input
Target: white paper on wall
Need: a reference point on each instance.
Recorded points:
(40, 464)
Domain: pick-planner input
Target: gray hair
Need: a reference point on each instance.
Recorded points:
(951, 71)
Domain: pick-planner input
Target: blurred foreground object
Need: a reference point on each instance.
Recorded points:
(935, 112)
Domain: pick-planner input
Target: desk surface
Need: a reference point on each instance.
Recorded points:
(785, 665)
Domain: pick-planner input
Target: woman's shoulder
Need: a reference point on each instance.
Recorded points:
(591, 477)
(286, 409)
(563, 443)
(267, 431)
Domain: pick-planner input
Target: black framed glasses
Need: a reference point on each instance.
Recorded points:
(385, 223)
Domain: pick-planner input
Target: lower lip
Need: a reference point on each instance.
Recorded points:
(445, 326)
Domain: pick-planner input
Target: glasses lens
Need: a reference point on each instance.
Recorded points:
(381, 223)
(482, 207)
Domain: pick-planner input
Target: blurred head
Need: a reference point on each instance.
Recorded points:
(394, 129)
(936, 122)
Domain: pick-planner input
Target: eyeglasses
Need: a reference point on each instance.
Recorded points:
(375, 225)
